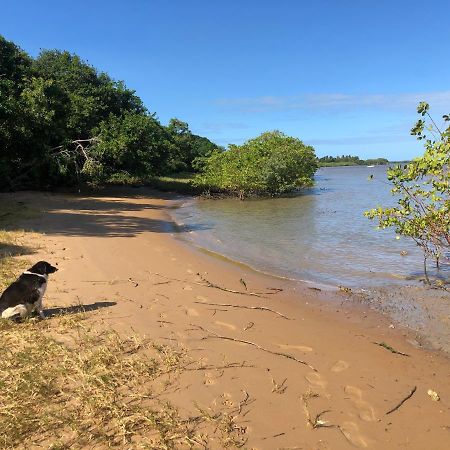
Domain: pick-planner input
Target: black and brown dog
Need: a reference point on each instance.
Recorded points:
(24, 296)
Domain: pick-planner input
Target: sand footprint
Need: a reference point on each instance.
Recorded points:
(316, 380)
(340, 366)
(192, 312)
(302, 348)
(351, 431)
(225, 325)
(208, 379)
(365, 409)
(187, 288)
(227, 400)
(202, 299)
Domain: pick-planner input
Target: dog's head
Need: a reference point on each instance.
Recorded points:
(43, 268)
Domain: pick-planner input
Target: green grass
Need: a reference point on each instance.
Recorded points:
(179, 182)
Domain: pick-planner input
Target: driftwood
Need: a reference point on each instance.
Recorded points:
(213, 335)
(389, 348)
(208, 283)
(261, 308)
(413, 390)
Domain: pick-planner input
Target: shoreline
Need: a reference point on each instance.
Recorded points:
(118, 247)
(416, 307)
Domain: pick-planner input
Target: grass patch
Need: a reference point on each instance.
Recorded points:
(67, 385)
(178, 182)
(87, 389)
(12, 239)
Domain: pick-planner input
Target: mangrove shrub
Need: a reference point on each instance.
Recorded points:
(271, 164)
(423, 191)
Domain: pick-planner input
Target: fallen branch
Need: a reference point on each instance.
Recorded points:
(216, 286)
(414, 389)
(388, 347)
(212, 334)
(261, 308)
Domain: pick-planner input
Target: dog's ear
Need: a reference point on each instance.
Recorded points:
(40, 268)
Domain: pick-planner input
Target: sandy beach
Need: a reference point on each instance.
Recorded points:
(300, 367)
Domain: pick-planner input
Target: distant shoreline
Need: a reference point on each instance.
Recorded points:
(348, 164)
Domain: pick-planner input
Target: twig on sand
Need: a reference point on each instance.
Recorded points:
(317, 422)
(208, 283)
(212, 335)
(261, 308)
(274, 290)
(413, 390)
(243, 402)
(275, 436)
(279, 388)
(388, 347)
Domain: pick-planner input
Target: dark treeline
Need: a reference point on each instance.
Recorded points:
(349, 160)
(63, 122)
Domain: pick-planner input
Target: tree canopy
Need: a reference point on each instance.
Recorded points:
(62, 121)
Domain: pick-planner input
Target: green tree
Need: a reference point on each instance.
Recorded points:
(15, 136)
(133, 144)
(423, 191)
(91, 95)
(63, 122)
(270, 164)
(189, 150)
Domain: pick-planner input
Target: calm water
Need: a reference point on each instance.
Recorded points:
(321, 235)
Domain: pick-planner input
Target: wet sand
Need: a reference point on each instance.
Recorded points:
(302, 367)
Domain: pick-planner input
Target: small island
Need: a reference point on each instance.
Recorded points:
(349, 160)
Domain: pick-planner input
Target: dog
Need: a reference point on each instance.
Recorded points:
(24, 296)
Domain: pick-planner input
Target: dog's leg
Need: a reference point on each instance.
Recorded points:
(19, 311)
(39, 310)
(38, 307)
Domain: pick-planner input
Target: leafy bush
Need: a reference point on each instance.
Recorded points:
(270, 164)
(423, 189)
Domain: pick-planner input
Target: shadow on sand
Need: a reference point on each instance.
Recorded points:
(120, 213)
(52, 312)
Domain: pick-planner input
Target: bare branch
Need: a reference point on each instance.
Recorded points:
(212, 335)
(261, 308)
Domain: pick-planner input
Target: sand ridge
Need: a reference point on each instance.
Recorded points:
(310, 378)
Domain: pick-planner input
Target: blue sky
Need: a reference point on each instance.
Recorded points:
(342, 75)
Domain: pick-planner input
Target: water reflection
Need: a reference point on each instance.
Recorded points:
(320, 235)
